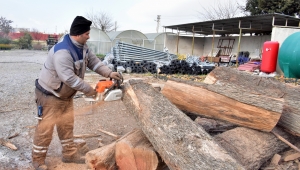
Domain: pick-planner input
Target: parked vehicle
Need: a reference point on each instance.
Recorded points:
(51, 41)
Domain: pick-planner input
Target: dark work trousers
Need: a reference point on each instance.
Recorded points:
(55, 112)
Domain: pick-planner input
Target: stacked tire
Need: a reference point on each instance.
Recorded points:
(183, 67)
(136, 67)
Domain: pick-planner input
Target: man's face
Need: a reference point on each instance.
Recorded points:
(82, 39)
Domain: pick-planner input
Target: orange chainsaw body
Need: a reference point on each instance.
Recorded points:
(102, 85)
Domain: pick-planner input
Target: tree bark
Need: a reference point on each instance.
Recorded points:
(178, 140)
(225, 102)
(252, 148)
(268, 87)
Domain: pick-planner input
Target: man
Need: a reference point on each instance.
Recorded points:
(60, 78)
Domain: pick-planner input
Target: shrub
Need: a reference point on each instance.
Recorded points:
(25, 41)
(6, 46)
(4, 40)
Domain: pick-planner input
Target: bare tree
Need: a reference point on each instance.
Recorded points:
(36, 35)
(5, 26)
(222, 10)
(102, 20)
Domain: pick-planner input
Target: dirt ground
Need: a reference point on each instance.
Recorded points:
(18, 71)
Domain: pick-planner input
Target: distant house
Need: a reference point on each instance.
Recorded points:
(40, 40)
(16, 36)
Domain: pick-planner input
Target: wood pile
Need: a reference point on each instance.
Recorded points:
(243, 121)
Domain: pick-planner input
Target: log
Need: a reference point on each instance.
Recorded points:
(225, 102)
(8, 144)
(252, 148)
(268, 87)
(102, 158)
(109, 133)
(286, 141)
(275, 160)
(134, 152)
(12, 136)
(178, 140)
(145, 157)
(86, 136)
(214, 126)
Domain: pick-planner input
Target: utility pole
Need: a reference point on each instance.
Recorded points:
(158, 23)
(115, 25)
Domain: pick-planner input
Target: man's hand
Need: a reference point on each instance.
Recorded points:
(115, 75)
(91, 93)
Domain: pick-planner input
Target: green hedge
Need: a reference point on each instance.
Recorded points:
(6, 46)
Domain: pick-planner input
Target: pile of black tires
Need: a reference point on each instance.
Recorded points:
(136, 67)
(183, 67)
(175, 67)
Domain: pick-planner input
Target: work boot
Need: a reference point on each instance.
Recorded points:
(38, 157)
(81, 146)
(38, 166)
(74, 153)
(75, 158)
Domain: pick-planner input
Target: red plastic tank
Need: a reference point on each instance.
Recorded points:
(269, 57)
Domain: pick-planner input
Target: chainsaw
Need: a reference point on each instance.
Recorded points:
(107, 90)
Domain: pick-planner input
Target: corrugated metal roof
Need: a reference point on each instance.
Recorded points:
(133, 33)
(152, 36)
(250, 24)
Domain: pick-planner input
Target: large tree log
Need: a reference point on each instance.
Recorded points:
(102, 158)
(225, 102)
(213, 125)
(250, 147)
(179, 141)
(268, 87)
(132, 151)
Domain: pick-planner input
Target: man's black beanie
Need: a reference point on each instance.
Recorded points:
(80, 25)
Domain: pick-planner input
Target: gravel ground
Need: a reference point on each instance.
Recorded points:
(18, 71)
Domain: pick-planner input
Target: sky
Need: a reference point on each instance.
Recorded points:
(56, 16)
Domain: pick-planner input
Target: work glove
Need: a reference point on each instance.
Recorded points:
(115, 75)
(91, 93)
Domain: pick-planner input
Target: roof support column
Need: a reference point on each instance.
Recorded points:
(212, 46)
(165, 38)
(193, 41)
(239, 46)
(177, 40)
